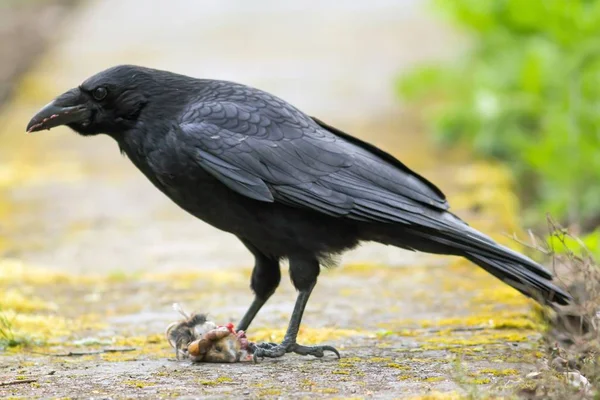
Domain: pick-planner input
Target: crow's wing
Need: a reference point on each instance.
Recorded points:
(269, 151)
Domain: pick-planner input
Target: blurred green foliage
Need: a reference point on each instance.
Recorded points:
(561, 242)
(526, 93)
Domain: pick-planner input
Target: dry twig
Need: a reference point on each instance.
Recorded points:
(17, 382)
(86, 353)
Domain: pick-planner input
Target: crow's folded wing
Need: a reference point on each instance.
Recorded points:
(269, 151)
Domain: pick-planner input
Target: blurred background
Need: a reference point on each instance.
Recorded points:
(503, 81)
(497, 102)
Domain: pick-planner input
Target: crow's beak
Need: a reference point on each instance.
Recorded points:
(66, 109)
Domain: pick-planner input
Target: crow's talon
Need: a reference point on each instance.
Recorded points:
(317, 351)
(272, 350)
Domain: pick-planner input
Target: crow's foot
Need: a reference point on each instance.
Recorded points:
(266, 345)
(274, 350)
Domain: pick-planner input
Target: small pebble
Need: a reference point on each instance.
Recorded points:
(577, 380)
(559, 364)
(533, 375)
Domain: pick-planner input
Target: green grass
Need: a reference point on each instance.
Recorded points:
(8, 338)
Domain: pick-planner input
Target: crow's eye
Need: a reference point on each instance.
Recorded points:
(99, 93)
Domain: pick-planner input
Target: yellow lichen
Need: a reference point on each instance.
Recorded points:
(138, 384)
(16, 272)
(434, 379)
(480, 381)
(379, 359)
(139, 341)
(217, 381)
(306, 335)
(47, 328)
(478, 339)
(17, 301)
(151, 346)
(499, 372)
(397, 366)
(327, 390)
(340, 372)
(269, 392)
(499, 320)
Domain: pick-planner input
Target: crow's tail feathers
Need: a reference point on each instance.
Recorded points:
(512, 268)
(529, 283)
(516, 270)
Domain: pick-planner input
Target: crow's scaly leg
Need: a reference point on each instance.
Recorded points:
(304, 276)
(266, 276)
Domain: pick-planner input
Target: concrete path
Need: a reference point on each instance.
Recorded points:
(92, 250)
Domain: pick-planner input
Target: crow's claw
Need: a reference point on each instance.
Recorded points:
(272, 350)
(317, 351)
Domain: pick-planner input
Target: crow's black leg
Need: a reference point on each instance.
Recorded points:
(256, 305)
(304, 274)
(266, 276)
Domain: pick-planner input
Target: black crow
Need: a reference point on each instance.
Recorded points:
(286, 184)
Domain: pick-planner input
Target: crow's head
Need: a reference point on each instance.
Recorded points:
(108, 102)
